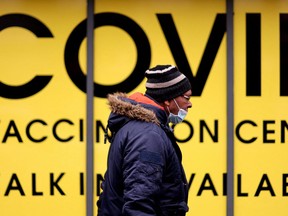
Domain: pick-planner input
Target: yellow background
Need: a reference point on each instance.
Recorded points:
(23, 56)
(255, 159)
(114, 60)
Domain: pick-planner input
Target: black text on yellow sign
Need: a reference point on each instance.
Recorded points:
(253, 55)
(204, 186)
(207, 131)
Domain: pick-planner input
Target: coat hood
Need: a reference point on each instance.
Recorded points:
(136, 107)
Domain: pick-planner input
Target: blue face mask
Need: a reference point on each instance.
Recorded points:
(175, 119)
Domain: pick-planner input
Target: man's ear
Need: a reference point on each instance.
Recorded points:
(167, 103)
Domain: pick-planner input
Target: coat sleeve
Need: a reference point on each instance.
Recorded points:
(143, 170)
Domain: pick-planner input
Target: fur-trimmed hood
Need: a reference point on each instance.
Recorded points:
(120, 104)
(124, 109)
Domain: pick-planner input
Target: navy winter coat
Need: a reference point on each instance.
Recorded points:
(144, 176)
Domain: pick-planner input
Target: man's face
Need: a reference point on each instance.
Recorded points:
(183, 102)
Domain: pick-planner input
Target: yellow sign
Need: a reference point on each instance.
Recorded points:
(42, 151)
(171, 33)
(260, 107)
(43, 99)
(42, 123)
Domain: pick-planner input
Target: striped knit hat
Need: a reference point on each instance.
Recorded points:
(165, 82)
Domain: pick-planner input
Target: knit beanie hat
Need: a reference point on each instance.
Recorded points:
(165, 82)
